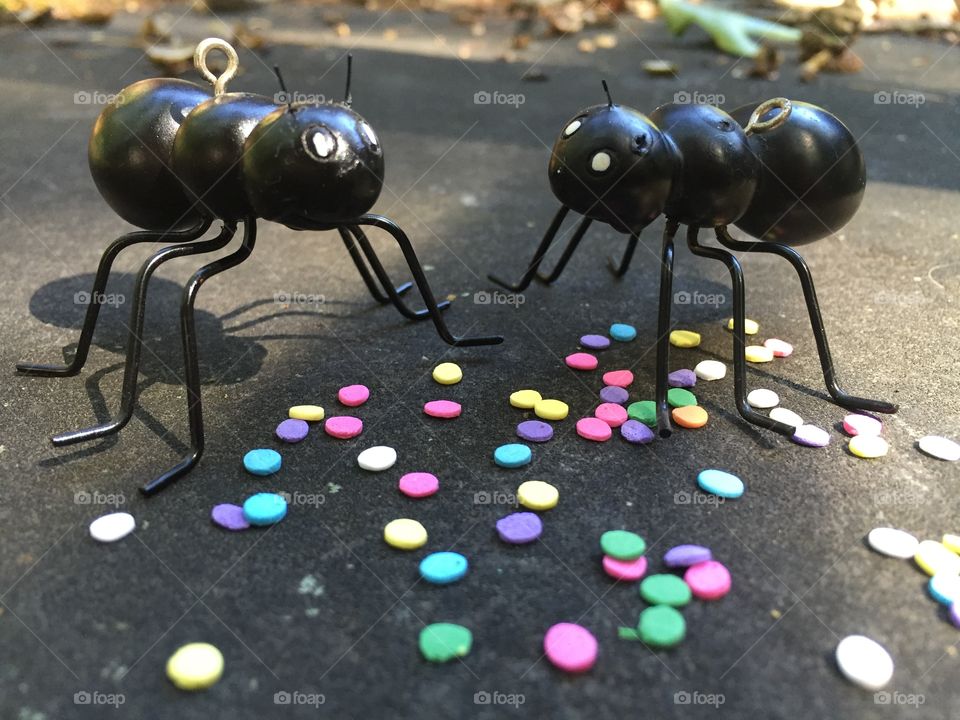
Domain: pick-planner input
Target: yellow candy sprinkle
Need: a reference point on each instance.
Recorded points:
(868, 446)
(405, 534)
(750, 327)
(447, 373)
(551, 409)
(934, 557)
(952, 543)
(758, 353)
(195, 666)
(684, 338)
(310, 413)
(537, 495)
(525, 399)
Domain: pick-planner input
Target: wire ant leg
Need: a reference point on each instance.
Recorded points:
(663, 327)
(816, 320)
(376, 293)
(538, 256)
(739, 333)
(423, 285)
(96, 294)
(548, 279)
(384, 278)
(191, 361)
(135, 332)
(620, 269)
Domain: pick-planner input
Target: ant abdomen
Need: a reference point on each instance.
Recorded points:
(208, 152)
(719, 171)
(812, 176)
(131, 153)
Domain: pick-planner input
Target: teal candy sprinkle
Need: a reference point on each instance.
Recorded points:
(262, 461)
(623, 332)
(512, 455)
(264, 509)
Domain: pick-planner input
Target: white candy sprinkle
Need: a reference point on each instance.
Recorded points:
(112, 527)
(710, 370)
(940, 447)
(864, 662)
(377, 458)
(893, 543)
(788, 417)
(762, 399)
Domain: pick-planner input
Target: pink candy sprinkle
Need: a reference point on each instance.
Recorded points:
(628, 570)
(708, 580)
(419, 484)
(618, 378)
(612, 414)
(570, 647)
(861, 425)
(445, 409)
(353, 395)
(593, 429)
(582, 361)
(780, 348)
(343, 427)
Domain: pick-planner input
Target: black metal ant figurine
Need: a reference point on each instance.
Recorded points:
(793, 173)
(171, 158)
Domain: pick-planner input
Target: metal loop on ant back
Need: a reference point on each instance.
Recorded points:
(200, 62)
(754, 125)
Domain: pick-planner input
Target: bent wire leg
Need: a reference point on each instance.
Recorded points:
(357, 258)
(620, 269)
(423, 285)
(191, 360)
(538, 256)
(663, 327)
(384, 278)
(131, 368)
(842, 398)
(549, 278)
(96, 294)
(739, 334)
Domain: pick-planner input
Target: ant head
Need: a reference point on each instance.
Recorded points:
(612, 164)
(313, 164)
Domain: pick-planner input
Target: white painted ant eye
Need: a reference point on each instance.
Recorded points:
(319, 142)
(600, 162)
(368, 134)
(572, 128)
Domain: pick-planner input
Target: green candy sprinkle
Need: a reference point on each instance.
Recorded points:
(622, 544)
(442, 642)
(680, 397)
(665, 590)
(662, 626)
(628, 633)
(644, 411)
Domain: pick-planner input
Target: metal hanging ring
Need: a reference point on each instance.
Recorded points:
(756, 126)
(200, 62)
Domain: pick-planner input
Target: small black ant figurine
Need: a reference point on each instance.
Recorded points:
(792, 174)
(171, 158)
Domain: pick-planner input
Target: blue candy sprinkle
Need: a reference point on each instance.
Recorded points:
(512, 455)
(720, 483)
(262, 461)
(623, 332)
(264, 509)
(945, 588)
(443, 568)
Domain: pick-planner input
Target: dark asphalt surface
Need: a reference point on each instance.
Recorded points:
(319, 605)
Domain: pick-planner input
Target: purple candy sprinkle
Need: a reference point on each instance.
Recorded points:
(595, 342)
(634, 431)
(292, 431)
(534, 431)
(811, 436)
(683, 556)
(519, 528)
(229, 516)
(682, 378)
(613, 394)
(955, 613)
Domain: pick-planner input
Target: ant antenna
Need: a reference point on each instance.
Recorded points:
(348, 98)
(607, 91)
(283, 87)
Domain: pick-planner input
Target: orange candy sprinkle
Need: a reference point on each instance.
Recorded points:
(691, 416)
